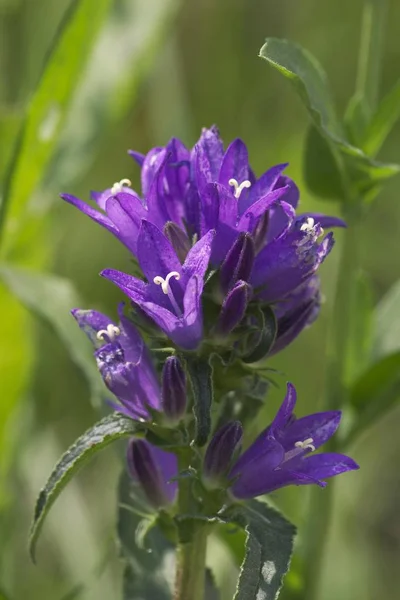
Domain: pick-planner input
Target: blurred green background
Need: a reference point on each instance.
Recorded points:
(162, 68)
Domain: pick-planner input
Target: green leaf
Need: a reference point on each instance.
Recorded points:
(108, 430)
(378, 388)
(47, 110)
(200, 373)
(383, 121)
(387, 323)
(358, 351)
(147, 573)
(375, 393)
(321, 172)
(52, 298)
(308, 78)
(269, 548)
(356, 120)
(267, 336)
(360, 173)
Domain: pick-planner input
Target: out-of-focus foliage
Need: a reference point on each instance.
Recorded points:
(152, 76)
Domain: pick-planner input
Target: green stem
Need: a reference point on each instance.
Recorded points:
(321, 502)
(191, 555)
(371, 47)
(190, 574)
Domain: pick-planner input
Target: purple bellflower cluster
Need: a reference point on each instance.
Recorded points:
(283, 454)
(203, 211)
(220, 251)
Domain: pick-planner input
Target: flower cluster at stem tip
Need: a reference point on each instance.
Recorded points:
(226, 268)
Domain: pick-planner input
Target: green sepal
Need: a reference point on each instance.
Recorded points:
(200, 374)
(110, 429)
(265, 338)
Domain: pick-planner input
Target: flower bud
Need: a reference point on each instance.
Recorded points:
(238, 262)
(152, 468)
(221, 451)
(178, 238)
(173, 389)
(234, 307)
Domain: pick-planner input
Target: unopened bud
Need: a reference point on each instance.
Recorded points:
(221, 452)
(173, 389)
(152, 468)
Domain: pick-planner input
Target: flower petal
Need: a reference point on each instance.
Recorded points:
(235, 164)
(91, 322)
(322, 466)
(253, 469)
(325, 221)
(207, 157)
(134, 288)
(261, 187)
(94, 214)
(197, 260)
(250, 218)
(157, 258)
(138, 157)
(319, 427)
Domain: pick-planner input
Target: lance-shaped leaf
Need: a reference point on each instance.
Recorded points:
(269, 548)
(310, 81)
(383, 121)
(377, 389)
(106, 431)
(321, 171)
(200, 373)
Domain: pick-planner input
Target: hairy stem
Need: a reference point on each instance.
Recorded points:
(191, 554)
(190, 574)
(371, 47)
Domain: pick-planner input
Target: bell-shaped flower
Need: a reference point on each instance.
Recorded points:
(172, 296)
(153, 468)
(289, 259)
(295, 312)
(285, 453)
(173, 389)
(123, 361)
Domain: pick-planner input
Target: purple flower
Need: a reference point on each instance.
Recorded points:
(173, 389)
(295, 312)
(288, 260)
(283, 454)
(198, 190)
(172, 296)
(221, 452)
(153, 468)
(123, 361)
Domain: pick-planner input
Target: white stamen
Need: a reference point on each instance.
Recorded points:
(308, 226)
(308, 443)
(165, 282)
(239, 188)
(108, 334)
(118, 185)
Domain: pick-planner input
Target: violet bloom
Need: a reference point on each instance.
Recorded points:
(198, 190)
(283, 454)
(172, 296)
(152, 468)
(123, 361)
(295, 312)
